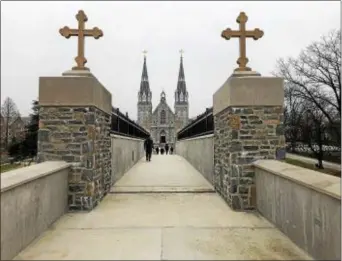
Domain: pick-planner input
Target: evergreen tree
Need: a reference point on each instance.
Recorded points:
(29, 144)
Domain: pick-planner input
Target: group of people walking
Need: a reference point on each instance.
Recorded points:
(167, 149)
(148, 147)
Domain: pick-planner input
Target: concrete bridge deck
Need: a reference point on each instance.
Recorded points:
(162, 210)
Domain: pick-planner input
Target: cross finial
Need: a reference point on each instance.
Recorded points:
(81, 32)
(181, 51)
(144, 52)
(242, 34)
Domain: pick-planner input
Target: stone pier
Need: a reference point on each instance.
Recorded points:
(75, 118)
(248, 117)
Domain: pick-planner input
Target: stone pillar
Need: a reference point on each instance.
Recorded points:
(248, 118)
(74, 126)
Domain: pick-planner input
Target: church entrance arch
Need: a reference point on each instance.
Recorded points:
(162, 137)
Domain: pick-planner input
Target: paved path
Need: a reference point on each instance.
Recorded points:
(326, 164)
(162, 210)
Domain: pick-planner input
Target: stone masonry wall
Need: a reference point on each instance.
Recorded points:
(243, 135)
(81, 136)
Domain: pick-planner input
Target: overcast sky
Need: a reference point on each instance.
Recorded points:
(31, 45)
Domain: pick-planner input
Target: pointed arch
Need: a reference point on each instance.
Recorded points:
(162, 117)
(162, 136)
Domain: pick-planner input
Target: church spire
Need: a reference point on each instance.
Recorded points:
(181, 94)
(144, 94)
(144, 84)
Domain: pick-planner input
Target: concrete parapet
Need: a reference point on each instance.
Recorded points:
(126, 151)
(199, 151)
(32, 198)
(304, 204)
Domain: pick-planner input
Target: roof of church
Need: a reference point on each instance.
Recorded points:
(162, 101)
(144, 84)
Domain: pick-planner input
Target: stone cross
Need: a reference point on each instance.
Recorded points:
(181, 51)
(242, 34)
(81, 32)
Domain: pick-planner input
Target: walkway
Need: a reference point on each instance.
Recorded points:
(133, 224)
(326, 164)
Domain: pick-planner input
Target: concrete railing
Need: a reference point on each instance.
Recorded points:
(199, 152)
(32, 198)
(304, 204)
(126, 152)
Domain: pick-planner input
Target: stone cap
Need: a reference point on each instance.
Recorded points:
(17, 177)
(322, 183)
(245, 74)
(250, 90)
(73, 91)
(79, 73)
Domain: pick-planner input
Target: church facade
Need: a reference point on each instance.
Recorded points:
(163, 123)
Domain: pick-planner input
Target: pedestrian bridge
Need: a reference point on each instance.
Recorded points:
(162, 210)
(223, 195)
(172, 208)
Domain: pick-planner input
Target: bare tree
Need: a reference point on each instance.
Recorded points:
(9, 111)
(293, 117)
(315, 76)
(313, 94)
(314, 131)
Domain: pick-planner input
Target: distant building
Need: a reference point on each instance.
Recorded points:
(16, 128)
(163, 123)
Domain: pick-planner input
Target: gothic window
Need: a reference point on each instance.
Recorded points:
(143, 97)
(162, 117)
(181, 96)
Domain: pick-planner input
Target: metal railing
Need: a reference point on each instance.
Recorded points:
(123, 125)
(202, 125)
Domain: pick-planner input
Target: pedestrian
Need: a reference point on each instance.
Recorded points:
(148, 147)
(171, 150)
(167, 148)
(157, 150)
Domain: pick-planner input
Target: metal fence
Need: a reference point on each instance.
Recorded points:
(202, 125)
(123, 125)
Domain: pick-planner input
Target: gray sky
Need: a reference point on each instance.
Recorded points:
(32, 47)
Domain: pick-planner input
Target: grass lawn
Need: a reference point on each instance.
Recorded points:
(9, 167)
(312, 166)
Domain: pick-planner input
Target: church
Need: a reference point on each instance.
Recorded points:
(163, 123)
